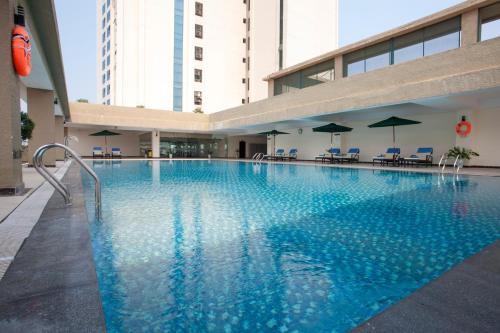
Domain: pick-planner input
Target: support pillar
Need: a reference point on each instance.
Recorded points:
(339, 67)
(59, 136)
(41, 111)
(155, 143)
(470, 27)
(11, 179)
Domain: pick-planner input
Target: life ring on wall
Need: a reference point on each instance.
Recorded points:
(21, 51)
(463, 128)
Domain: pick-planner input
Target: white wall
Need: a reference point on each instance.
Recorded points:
(485, 137)
(128, 142)
(311, 29)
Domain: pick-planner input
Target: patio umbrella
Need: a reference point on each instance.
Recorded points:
(394, 121)
(273, 133)
(105, 134)
(332, 128)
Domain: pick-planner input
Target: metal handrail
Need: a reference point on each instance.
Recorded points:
(60, 187)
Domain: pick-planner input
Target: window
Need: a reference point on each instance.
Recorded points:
(108, 60)
(430, 40)
(197, 98)
(244, 21)
(103, 92)
(103, 23)
(248, 43)
(103, 51)
(108, 16)
(248, 84)
(108, 31)
(103, 9)
(244, 40)
(489, 18)
(108, 45)
(108, 102)
(248, 25)
(103, 64)
(108, 74)
(103, 37)
(198, 8)
(103, 78)
(308, 77)
(198, 31)
(243, 80)
(198, 53)
(197, 75)
(242, 101)
(244, 60)
(108, 2)
(108, 89)
(248, 63)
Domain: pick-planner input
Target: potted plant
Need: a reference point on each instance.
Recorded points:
(464, 154)
(27, 127)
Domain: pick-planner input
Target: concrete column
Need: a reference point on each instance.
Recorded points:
(11, 181)
(339, 67)
(155, 143)
(470, 27)
(270, 88)
(41, 111)
(59, 136)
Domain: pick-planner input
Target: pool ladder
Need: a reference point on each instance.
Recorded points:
(258, 157)
(56, 183)
(457, 165)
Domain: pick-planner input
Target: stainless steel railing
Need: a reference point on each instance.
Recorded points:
(56, 183)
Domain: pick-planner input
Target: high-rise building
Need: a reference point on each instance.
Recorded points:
(182, 55)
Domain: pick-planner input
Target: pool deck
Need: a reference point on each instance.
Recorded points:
(52, 285)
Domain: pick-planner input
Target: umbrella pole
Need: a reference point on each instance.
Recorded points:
(106, 144)
(331, 139)
(394, 136)
(274, 145)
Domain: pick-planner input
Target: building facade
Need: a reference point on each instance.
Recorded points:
(183, 55)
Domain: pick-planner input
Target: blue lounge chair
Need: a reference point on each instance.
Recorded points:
(330, 153)
(292, 154)
(422, 156)
(279, 155)
(97, 152)
(391, 156)
(351, 156)
(116, 153)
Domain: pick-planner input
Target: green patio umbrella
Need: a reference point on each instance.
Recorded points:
(332, 128)
(393, 122)
(105, 134)
(273, 133)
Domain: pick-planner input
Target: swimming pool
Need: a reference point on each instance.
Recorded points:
(216, 246)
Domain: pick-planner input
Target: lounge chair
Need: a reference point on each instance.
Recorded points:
(279, 155)
(97, 152)
(292, 154)
(422, 156)
(351, 156)
(330, 153)
(391, 156)
(116, 153)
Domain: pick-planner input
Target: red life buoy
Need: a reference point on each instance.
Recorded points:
(463, 128)
(21, 51)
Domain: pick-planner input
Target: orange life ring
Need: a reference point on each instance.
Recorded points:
(463, 128)
(21, 51)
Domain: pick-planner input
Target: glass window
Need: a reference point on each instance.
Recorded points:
(103, 51)
(354, 63)
(103, 92)
(409, 47)
(109, 2)
(198, 53)
(103, 78)
(103, 9)
(108, 73)
(103, 37)
(108, 31)
(103, 23)
(198, 31)
(103, 65)
(287, 83)
(108, 16)
(490, 22)
(197, 98)
(321, 73)
(108, 60)
(108, 45)
(198, 8)
(442, 36)
(377, 56)
(197, 75)
(108, 89)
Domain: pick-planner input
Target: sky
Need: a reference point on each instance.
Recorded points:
(358, 19)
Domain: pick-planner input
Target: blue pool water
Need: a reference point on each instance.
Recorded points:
(199, 246)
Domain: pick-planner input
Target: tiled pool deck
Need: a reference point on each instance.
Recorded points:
(51, 285)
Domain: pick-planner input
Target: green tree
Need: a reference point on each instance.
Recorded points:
(27, 126)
